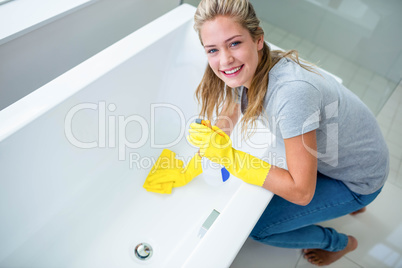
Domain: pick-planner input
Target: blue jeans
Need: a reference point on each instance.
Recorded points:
(284, 224)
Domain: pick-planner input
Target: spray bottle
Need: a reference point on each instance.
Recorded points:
(214, 173)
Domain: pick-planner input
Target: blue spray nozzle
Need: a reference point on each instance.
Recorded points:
(225, 174)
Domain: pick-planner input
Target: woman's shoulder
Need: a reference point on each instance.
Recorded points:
(288, 75)
(286, 70)
(289, 85)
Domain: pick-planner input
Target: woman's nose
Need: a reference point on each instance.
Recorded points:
(226, 58)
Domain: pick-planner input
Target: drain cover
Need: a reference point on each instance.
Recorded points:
(143, 251)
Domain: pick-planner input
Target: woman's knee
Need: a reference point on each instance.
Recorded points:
(258, 237)
(259, 233)
(267, 239)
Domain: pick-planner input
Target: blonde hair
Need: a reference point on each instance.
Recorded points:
(212, 91)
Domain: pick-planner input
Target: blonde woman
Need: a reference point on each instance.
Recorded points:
(336, 156)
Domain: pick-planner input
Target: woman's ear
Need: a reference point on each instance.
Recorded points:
(260, 42)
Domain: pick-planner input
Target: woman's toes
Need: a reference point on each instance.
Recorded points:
(311, 257)
(309, 254)
(308, 251)
(313, 260)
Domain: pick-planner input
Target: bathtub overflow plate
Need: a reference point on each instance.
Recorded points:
(143, 251)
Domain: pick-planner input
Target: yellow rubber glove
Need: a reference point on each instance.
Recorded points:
(169, 172)
(217, 147)
(161, 188)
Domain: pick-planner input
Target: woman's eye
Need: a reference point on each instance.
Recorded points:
(234, 44)
(212, 51)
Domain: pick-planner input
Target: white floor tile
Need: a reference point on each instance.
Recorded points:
(385, 120)
(395, 150)
(398, 115)
(375, 92)
(290, 42)
(394, 137)
(364, 75)
(378, 230)
(379, 81)
(397, 128)
(397, 95)
(257, 255)
(373, 104)
(276, 36)
(376, 96)
(342, 263)
(319, 55)
(398, 178)
(305, 48)
(347, 71)
(333, 63)
(392, 177)
(394, 163)
(384, 129)
(357, 87)
(389, 109)
(267, 27)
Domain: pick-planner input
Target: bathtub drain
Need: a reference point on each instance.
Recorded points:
(143, 251)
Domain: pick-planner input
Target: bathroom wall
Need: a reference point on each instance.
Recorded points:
(32, 60)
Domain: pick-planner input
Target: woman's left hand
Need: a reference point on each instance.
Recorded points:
(213, 143)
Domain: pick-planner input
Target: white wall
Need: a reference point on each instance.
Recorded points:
(32, 60)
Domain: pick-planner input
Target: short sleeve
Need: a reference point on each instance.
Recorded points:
(297, 108)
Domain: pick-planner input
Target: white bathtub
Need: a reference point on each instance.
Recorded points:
(71, 192)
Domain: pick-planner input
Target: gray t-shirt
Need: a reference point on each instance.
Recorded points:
(350, 145)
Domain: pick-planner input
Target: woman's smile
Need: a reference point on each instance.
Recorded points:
(232, 71)
(232, 53)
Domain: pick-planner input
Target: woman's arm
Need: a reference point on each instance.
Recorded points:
(298, 184)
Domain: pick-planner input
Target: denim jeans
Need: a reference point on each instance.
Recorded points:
(284, 224)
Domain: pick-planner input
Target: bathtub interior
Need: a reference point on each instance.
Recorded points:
(61, 204)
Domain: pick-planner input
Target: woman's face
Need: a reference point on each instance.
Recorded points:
(232, 53)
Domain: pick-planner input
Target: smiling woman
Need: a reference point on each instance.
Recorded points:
(337, 159)
(232, 53)
(237, 56)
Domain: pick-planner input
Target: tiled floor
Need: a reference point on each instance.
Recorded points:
(390, 121)
(378, 230)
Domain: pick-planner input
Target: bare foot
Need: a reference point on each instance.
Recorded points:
(358, 211)
(321, 257)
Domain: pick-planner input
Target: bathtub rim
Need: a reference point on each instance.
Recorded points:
(30, 107)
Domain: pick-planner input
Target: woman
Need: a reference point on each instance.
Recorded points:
(336, 156)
